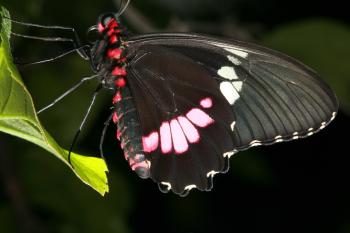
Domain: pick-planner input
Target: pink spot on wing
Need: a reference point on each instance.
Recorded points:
(179, 139)
(188, 128)
(199, 118)
(165, 138)
(206, 103)
(150, 142)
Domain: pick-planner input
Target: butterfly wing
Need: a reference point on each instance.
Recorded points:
(185, 119)
(202, 99)
(274, 97)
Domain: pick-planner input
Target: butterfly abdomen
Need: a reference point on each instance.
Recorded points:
(111, 64)
(129, 132)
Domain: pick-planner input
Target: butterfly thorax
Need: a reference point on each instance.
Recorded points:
(110, 63)
(108, 57)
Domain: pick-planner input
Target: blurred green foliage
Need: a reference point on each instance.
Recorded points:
(18, 118)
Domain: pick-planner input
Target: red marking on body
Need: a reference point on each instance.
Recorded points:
(206, 103)
(150, 142)
(126, 155)
(115, 117)
(122, 60)
(118, 135)
(199, 118)
(179, 140)
(113, 31)
(117, 97)
(114, 53)
(119, 71)
(113, 39)
(112, 24)
(165, 138)
(120, 82)
(188, 128)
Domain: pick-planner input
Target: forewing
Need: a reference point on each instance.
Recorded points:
(273, 97)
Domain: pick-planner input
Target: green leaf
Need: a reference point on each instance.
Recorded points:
(18, 117)
(321, 44)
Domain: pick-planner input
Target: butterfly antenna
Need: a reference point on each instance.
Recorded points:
(83, 122)
(122, 9)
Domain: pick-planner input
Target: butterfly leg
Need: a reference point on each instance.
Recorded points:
(83, 80)
(83, 122)
(106, 124)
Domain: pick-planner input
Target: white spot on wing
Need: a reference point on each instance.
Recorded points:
(237, 52)
(212, 173)
(166, 184)
(227, 72)
(333, 115)
(189, 187)
(237, 85)
(278, 138)
(255, 143)
(229, 92)
(234, 60)
(311, 133)
(233, 125)
(229, 154)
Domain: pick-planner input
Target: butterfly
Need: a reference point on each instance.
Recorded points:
(185, 103)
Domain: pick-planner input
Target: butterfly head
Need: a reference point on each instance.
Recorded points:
(108, 22)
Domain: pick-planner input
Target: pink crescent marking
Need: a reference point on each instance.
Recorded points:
(199, 118)
(165, 138)
(188, 128)
(206, 102)
(142, 164)
(179, 139)
(150, 142)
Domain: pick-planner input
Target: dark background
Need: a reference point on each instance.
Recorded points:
(299, 186)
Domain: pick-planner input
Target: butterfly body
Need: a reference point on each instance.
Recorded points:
(185, 103)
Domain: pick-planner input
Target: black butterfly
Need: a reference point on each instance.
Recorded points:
(185, 103)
